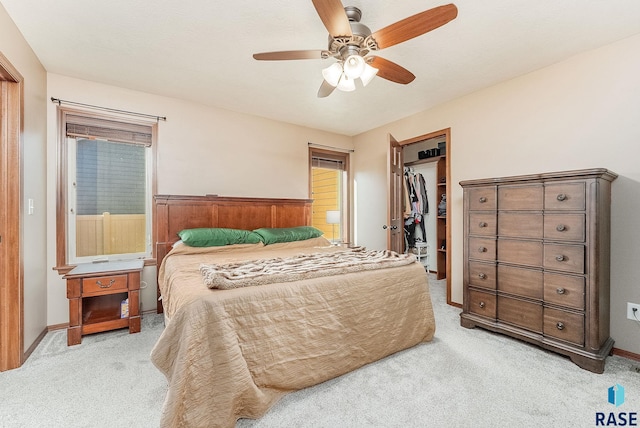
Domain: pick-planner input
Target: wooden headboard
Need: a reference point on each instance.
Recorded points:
(174, 213)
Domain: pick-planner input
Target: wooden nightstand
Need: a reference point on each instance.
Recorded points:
(95, 291)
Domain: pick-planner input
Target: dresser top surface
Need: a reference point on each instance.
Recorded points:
(546, 176)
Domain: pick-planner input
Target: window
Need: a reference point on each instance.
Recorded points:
(329, 190)
(105, 190)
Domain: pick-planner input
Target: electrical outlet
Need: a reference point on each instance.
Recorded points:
(633, 311)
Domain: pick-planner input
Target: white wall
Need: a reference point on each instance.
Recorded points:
(201, 150)
(580, 113)
(17, 51)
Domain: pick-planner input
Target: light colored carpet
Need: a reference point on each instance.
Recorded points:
(106, 381)
(463, 378)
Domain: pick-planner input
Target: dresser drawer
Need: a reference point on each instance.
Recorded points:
(519, 252)
(482, 249)
(564, 196)
(521, 197)
(482, 223)
(482, 275)
(482, 198)
(520, 281)
(520, 224)
(564, 290)
(564, 227)
(565, 258)
(104, 284)
(483, 304)
(522, 313)
(563, 325)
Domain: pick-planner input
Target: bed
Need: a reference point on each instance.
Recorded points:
(232, 353)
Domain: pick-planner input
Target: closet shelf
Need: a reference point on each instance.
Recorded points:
(426, 160)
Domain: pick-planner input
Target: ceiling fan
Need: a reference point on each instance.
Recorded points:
(352, 43)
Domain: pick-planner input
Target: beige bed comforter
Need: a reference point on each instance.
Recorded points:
(229, 354)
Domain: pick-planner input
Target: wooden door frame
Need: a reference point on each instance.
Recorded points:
(11, 262)
(447, 134)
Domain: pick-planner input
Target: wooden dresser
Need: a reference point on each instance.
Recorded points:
(536, 260)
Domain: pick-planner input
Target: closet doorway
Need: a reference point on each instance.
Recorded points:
(429, 155)
(11, 274)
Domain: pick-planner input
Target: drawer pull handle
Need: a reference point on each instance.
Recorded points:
(560, 290)
(560, 258)
(482, 200)
(483, 224)
(101, 285)
(482, 275)
(561, 197)
(560, 325)
(561, 228)
(482, 304)
(482, 249)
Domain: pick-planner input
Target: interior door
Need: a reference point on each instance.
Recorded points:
(394, 226)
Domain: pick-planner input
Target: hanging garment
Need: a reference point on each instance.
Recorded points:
(423, 192)
(416, 206)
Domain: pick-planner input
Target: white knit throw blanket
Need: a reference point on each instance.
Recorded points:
(305, 266)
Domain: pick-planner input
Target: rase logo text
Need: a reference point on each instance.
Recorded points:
(616, 419)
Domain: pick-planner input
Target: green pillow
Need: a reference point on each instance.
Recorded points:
(217, 237)
(287, 234)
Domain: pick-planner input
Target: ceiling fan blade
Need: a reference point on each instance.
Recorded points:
(325, 89)
(415, 25)
(289, 55)
(333, 17)
(390, 70)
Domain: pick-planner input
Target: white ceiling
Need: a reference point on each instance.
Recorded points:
(201, 50)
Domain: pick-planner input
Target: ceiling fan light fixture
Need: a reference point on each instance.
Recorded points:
(332, 74)
(368, 74)
(346, 84)
(350, 42)
(354, 66)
